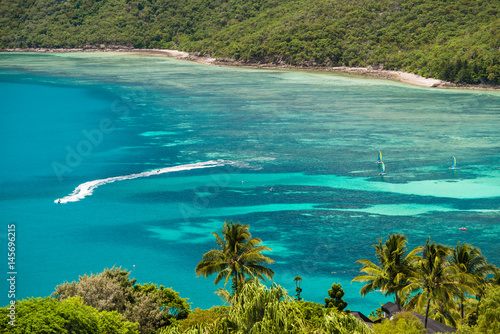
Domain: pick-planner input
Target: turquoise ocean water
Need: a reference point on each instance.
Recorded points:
(149, 155)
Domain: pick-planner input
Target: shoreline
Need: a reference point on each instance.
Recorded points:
(368, 72)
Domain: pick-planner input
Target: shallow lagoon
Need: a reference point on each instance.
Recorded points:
(72, 118)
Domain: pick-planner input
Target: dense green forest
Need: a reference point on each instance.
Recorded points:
(456, 40)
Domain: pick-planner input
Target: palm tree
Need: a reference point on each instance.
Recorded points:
(434, 280)
(473, 269)
(394, 268)
(238, 256)
(444, 313)
(298, 289)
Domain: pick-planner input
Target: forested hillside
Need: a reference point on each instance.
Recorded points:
(456, 40)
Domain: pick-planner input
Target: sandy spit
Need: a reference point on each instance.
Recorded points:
(370, 72)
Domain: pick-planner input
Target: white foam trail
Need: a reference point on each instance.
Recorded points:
(86, 189)
(245, 163)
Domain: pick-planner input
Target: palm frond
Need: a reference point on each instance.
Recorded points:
(238, 257)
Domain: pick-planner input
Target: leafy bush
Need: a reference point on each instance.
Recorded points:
(199, 318)
(150, 305)
(49, 315)
(403, 322)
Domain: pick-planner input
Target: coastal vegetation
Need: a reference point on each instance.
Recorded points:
(451, 285)
(394, 269)
(443, 283)
(473, 269)
(148, 305)
(262, 310)
(73, 315)
(489, 312)
(436, 281)
(454, 41)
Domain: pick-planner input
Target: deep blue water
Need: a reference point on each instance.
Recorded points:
(68, 119)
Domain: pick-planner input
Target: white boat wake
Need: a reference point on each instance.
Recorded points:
(86, 189)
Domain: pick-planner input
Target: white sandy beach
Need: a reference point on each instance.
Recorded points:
(370, 72)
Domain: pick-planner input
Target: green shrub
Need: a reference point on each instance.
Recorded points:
(404, 322)
(49, 315)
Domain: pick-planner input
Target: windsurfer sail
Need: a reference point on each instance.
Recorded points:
(379, 161)
(454, 163)
(382, 169)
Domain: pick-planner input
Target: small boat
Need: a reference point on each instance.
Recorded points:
(382, 169)
(379, 161)
(462, 228)
(454, 163)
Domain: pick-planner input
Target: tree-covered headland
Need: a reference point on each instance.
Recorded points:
(456, 41)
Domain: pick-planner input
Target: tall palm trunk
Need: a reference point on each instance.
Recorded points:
(235, 283)
(398, 302)
(427, 312)
(462, 306)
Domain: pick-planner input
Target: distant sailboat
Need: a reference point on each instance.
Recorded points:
(382, 168)
(454, 163)
(379, 161)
